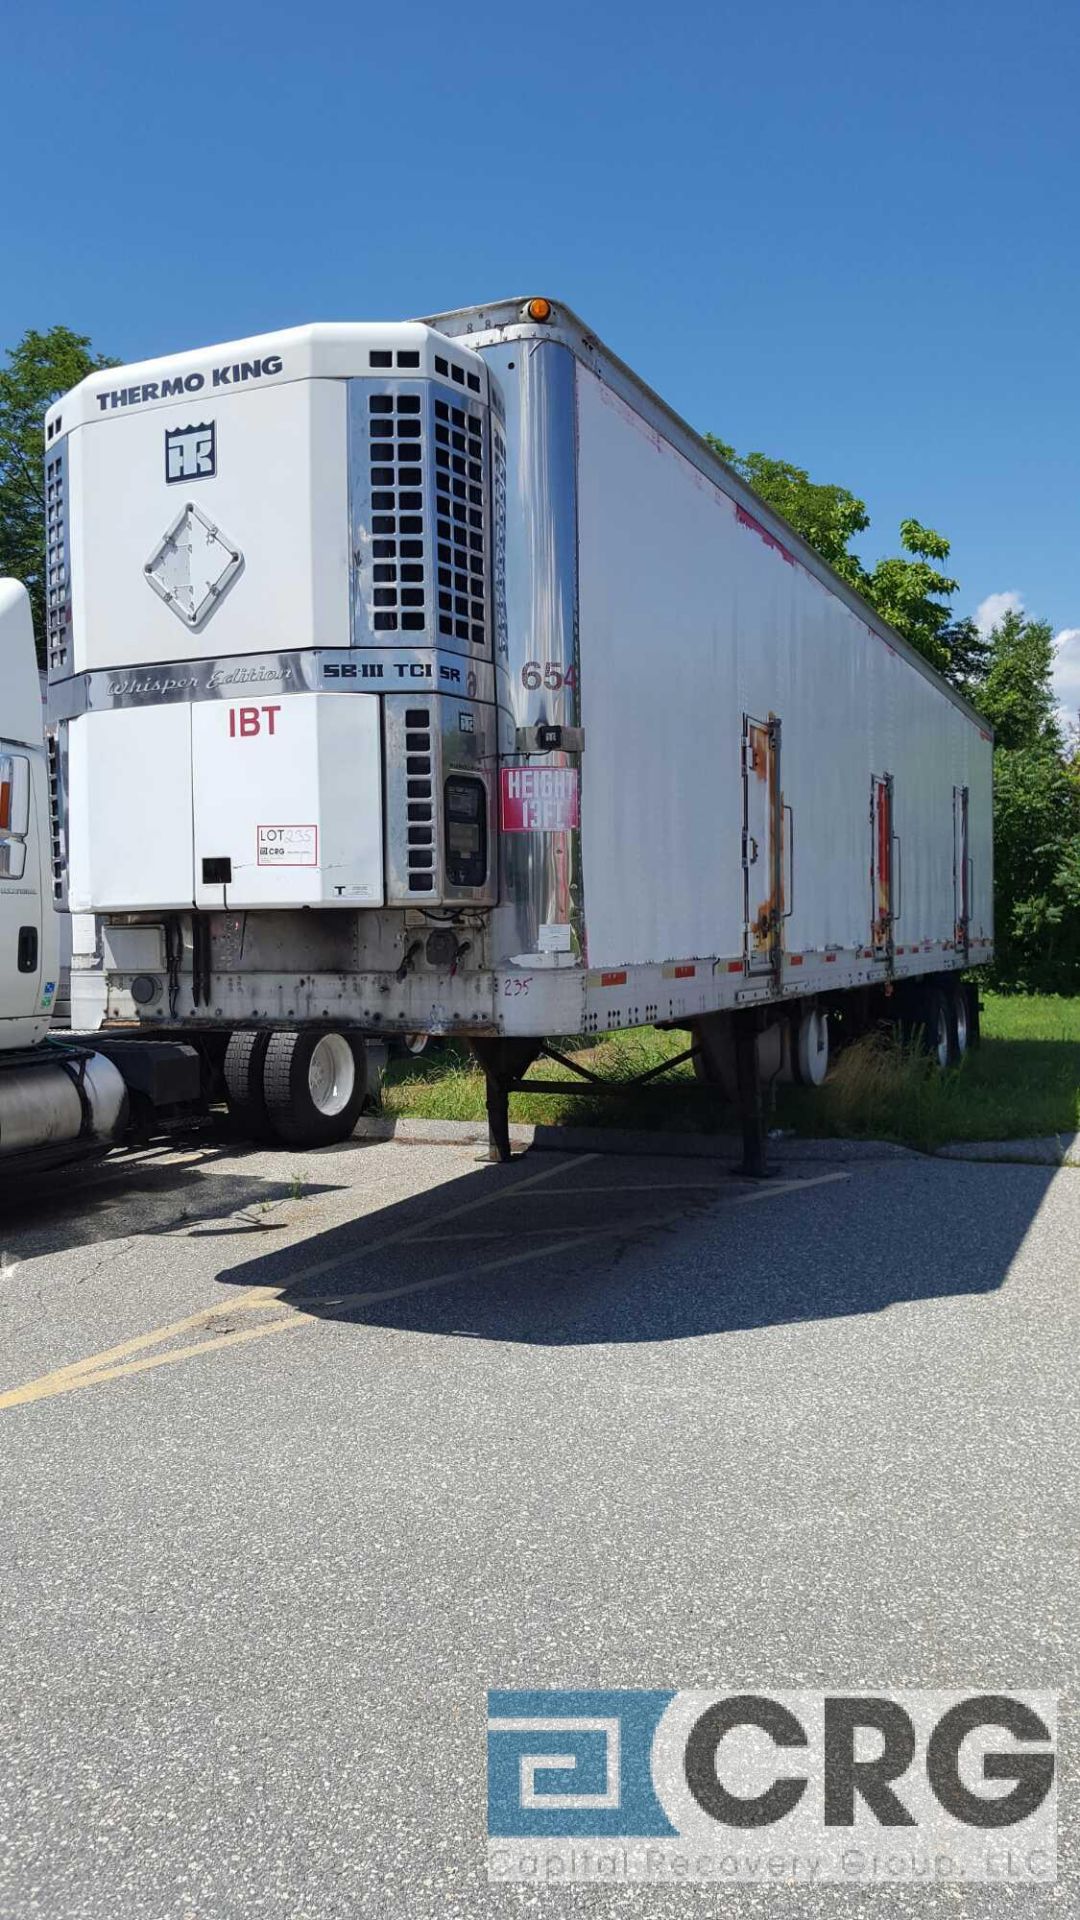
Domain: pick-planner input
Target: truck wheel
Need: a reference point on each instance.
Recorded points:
(960, 1018)
(243, 1070)
(810, 1053)
(933, 1027)
(974, 1015)
(314, 1084)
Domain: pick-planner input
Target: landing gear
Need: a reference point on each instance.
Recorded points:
(503, 1061)
(751, 1097)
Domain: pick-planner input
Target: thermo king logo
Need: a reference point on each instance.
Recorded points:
(191, 452)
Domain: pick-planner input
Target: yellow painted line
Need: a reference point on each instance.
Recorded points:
(724, 1185)
(772, 1189)
(537, 1233)
(258, 1297)
(70, 1379)
(303, 1314)
(116, 1361)
(375, 1298)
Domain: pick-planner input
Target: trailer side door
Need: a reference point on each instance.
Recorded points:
(882, 868)
(961, 872)
(762, 847)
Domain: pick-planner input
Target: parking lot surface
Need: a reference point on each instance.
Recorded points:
(301, 1453)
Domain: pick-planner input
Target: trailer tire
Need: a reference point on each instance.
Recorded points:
(314, 1084)
(934, 1027)
(974, 1014)
(810, 1051)
(960, 1020)
(245, 1055)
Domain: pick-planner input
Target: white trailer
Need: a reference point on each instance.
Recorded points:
(434, 676)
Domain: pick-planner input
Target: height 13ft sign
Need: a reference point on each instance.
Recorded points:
(540, 799)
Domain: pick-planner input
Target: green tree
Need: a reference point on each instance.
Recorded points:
(39, 369)
(912, 594)
(1016, 690)
(1036, 871)
(969, 653)
(1036, 813)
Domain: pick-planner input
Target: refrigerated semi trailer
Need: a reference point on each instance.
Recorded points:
(435, 676)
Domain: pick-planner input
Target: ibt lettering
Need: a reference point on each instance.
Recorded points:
(246, 722)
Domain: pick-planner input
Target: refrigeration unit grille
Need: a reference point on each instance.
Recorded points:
(56, 561)
(419, 801)
(459, 506)
(398, 597)
(56, 831)
(498, 571)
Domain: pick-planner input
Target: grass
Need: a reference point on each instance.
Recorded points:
(1024, 1080)
(451, 1087)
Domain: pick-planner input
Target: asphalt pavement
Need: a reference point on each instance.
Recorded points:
(299, 1454)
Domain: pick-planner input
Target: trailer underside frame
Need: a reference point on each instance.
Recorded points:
(507, 1062)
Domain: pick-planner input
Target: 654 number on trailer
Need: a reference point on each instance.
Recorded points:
(547, 674)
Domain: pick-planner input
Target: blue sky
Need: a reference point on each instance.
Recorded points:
(844, 234)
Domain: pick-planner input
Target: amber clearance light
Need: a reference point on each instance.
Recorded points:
(539, 309)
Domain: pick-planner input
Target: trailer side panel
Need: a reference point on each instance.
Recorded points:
(696, 623)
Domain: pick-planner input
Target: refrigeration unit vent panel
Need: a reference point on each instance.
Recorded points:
(420, 800)
(57, 561)
(459, 505)
(398, 591)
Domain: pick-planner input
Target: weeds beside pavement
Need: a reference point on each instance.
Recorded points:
(1023, 1081)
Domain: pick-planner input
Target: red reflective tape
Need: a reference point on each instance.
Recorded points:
(613, 979)
(683, 973)
(795, 959)
(830, 956)
(734, 966)
(747, 520)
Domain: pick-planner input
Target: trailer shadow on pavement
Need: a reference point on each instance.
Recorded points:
(563, 1251)
(152, 1192)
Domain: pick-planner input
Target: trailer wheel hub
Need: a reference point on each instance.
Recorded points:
(331, 1074)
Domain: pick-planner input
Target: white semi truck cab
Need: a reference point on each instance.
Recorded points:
(431, 676)
(59, 1098)
(29, 936)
